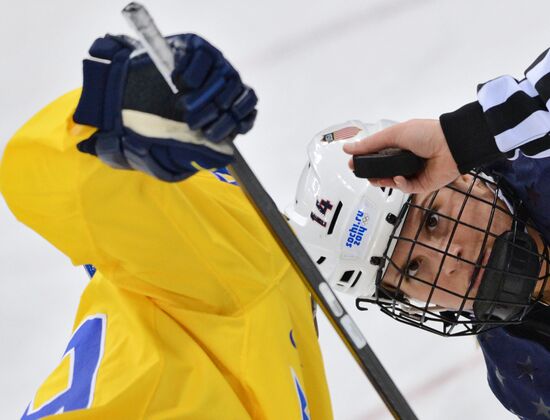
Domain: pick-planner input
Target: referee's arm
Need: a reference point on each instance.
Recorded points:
(509, 116)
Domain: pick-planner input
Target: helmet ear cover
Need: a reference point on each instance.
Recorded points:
(509, 278)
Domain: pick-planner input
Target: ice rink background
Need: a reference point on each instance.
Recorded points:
(313, 64)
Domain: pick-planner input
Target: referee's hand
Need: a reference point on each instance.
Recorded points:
(424, 138)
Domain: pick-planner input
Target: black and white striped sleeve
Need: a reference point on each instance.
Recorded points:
(509, 116)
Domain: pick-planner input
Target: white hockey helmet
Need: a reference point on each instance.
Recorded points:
(343, 221)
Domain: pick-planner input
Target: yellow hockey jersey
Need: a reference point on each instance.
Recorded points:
(194, 313)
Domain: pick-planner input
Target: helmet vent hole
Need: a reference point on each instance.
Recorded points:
(383, 189)
(390, 191)
(356, 279)
(321, 260)
(346, 277)
(334, 218)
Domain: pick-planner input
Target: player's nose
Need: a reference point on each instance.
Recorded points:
(453, 262)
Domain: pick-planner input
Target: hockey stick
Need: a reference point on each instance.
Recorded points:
(162, 56)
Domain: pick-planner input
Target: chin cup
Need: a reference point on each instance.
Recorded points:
(509, 279)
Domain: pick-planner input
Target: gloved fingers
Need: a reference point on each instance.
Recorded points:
(213, 98)
(232, 89)
(197, 70)
(245, 103)
(221, 128)
(195, 59)
(246, 124)
(239, 119)
(197, 120)
(198, 98)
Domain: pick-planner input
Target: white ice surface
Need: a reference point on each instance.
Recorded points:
(313, 64)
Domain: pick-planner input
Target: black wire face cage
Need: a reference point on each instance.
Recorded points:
(496, 276)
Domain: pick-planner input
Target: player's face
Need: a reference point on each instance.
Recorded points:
(429, 274)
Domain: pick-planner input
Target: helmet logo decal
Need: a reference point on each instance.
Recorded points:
(323, 206)
(341, 134)
(357, 230)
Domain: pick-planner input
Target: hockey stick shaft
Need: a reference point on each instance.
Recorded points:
(162, 57)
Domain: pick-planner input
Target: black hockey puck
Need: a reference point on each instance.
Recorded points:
(387, 163)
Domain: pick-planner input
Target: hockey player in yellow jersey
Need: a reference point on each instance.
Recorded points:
(194, 312)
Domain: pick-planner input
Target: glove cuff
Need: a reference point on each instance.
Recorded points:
(103, 83)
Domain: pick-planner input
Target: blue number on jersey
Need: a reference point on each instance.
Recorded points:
(86, 350)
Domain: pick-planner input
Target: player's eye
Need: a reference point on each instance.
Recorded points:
(413, 267)
(432, 221)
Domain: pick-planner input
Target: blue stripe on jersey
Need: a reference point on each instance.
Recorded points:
(223, 175)
(304, 409)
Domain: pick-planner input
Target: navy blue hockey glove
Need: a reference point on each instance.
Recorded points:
(144, 126)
